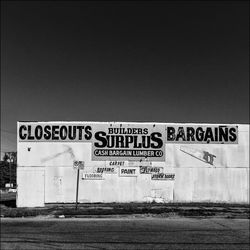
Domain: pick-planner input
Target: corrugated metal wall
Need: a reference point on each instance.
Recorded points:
(45, 174)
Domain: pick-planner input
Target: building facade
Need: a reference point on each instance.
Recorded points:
(131, 162)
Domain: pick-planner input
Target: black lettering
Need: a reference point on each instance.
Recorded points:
(110, 141)
(80, 129)
(209, 135)
(139, 131)
(170, 133)
(72, 132)
(100, 136)
(136, 144)
(216, 134)
(145, 141)
(180, 134)
(21, 131)
(63, 132)
(30, 137)
(128, 140)
(38, 132)
(47, 132)
(155, 137)
(119, 141)
(233, 134)
(223, 134)
(130, 131)
(88, 134)
(199, 134)
(190, 134)
(55, 133)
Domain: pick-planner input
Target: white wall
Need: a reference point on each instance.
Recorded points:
(30, 187)
(45, 174)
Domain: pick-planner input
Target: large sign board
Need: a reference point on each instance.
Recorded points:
(213, 134)
(54, 132)
(129, 142)
(110, 141)
(123, 142)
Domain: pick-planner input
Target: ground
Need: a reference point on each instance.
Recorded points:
(224, 210)
(124, 226)
(124, 233)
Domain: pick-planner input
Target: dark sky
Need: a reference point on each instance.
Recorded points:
(123, 61)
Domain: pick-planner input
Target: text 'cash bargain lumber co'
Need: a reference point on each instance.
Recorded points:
(128, 153)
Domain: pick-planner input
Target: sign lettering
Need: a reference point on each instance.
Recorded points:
(162, 176)
(129, 171)
(92, 176)
(202, 134)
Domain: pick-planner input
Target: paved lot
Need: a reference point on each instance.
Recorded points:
(125, 233)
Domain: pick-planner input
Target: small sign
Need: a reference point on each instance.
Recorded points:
(151, 170)
(140, 163)
(106, 170)
(129, 172)
(116, 163)
(78, 164)
(163, 176)
(92, 176)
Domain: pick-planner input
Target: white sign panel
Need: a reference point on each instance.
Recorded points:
(54, 132)
(163, 176)
(150, 170)
(129, 171)
(116, 163)
(106, 170)
(92, 176)
(140, 163)
(129, 141)
(213, 134)
(133, 141)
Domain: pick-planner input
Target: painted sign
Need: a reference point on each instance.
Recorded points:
(122, 140)
(162, 176)
(140, 163)
(212, 134)
(129, 172)
(127, 141)
(116, 163)
(92, 176)
(42, 131)
(201, 155)
(106, 170)
(110, 141)
(150, 170)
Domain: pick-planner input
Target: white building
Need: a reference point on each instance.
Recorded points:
(131, 162)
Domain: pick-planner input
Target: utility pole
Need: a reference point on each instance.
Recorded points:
(77, 165)
(77, 187)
